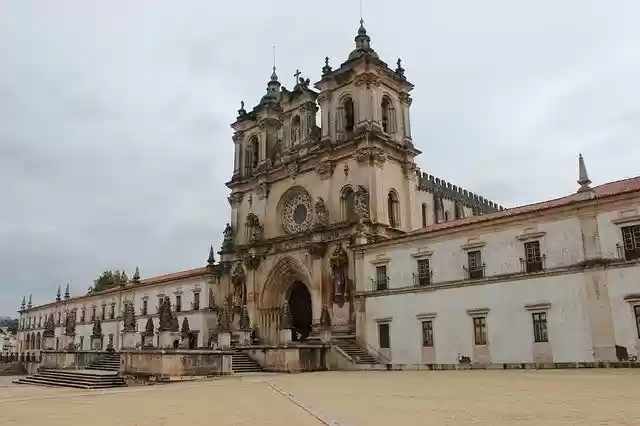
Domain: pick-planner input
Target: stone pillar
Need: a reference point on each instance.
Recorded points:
(129, 339)
(285, 336)
(96, 343)
(224, 340)
(166, 339)
(48, 343)
(325, 325)
(147, 340)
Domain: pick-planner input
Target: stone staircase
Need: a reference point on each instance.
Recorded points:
(12, 369)
(242, 363)
(351, 347)
(110, 362)
(80, 379)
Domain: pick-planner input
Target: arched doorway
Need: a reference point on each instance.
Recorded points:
(301, 312)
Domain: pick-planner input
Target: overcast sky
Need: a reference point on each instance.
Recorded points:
(114, 115)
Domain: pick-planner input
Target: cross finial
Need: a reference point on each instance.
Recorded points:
(297, 75)
(326, 61)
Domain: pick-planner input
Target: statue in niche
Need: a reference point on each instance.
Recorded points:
(339, 261)
(254, 229)
(238, 279)
(166, 316)
(321, 219)
(361, 204)
(70, 323)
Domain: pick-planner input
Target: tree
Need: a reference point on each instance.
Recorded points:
(109, 279)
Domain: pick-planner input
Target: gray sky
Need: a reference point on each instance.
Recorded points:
(114, 116)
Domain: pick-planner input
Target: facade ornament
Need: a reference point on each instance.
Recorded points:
(227, 240)
(339, 261)
(368, 80)
(263, 190)
(286, 319)
(149, 327)
(324, 169)
(23, 305)
(254, 228)
(211, 260)
(409, 170)
(327, 68)
(185, 330)
(136, 276)
(97, 328)
(166, 316)
(223, 319)
(70, 323)
(29, 303)
(235, 199)
(242, 112)
(49, 327)
(245, 321)
(370, 156)
(583, 177)
(345, 169)
(252, 262)
(325, 318)
(129, 317)
(212, 300)
(321, 219)
(400, 70)
(293, 167)
(58, 296)
(317, 249)
(67, 294)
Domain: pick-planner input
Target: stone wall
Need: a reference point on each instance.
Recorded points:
(175, 363)
(291, 359)
(66, 360)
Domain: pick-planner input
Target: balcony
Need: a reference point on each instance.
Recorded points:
(528, 266)
(423, 279)
(474, 273)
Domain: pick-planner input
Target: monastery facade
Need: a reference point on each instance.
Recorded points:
(334, 220)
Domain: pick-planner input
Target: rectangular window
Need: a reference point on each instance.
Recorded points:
(384, 339)
(93, 313)
(533, 259)
(424, 215)
(178, 303)
(112, 312)
(637, 311)
(196, 301)
(476, 269)
(427, 333)
(145, 306)
(631, 242)
(540, 327)
(104, 309)
(59, 316)
(81, 342)
(381, 277)
(159, 304)
(424, 273)
(83, 315)
(480, 330)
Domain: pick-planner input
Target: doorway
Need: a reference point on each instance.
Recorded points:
(301, 312)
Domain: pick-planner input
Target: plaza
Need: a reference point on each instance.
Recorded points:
(525, 397)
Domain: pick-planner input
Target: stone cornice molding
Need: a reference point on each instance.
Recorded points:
(538, 307)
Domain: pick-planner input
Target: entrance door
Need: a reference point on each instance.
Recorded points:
(300, 304)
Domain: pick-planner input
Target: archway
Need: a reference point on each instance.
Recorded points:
(301, 311)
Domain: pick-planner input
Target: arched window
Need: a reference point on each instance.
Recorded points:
(295, 130)
(385, 115)
(424, 214)
(349, 117)
(252, 155)
(347, 203)
(38, 340)
(393, 209)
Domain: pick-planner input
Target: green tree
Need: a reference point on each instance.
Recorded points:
(109, 279)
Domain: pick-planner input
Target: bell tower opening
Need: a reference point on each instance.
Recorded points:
(301, 313)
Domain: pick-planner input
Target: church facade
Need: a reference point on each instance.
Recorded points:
(336, 217)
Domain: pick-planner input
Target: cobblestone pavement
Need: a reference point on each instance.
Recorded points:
(560, 397)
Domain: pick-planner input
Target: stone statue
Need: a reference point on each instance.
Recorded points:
(223, 319)
(212, 299)
(321, 219)
(49, 327)
(361, 204)
(238, 279)
(166, 317)
(339, 261)
(245, 321)
(286, 320)
(255, 230)
(149, 328)
(97, 328)
(70, 323)
(227, 239)
(129, 317)
(325, 318)
(185, 330)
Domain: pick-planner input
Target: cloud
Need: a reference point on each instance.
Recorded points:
(114, 117)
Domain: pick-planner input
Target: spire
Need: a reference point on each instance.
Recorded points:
(211, 260)
(583, 178)
(29, 304)
(363, 44)
(327, 68)
(58, 297)
(67, 294)
(22, 306)
(136, 276)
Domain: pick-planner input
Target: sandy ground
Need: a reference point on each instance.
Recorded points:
(559, 397)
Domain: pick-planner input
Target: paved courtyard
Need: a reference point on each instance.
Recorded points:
(560, 397)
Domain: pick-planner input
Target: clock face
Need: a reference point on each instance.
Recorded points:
(297, 214)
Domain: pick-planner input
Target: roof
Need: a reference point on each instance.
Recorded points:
(606, 190)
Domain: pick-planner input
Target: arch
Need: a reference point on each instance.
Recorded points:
(393, 208)
(252, 154)
(296, 130)
(299, 299)
(347, 203)
(348, 114)
(285, 272)
(388, 114)
(38, 340)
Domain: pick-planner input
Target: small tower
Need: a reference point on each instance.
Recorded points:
(583, 177)
(58, 295)
(211, 260)
(29, 304)
(23, 305)
(67, 294)
(136, 276)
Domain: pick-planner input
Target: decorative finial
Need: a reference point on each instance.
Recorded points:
(583, 178)
(327, 68)
(400, 70)
(242, 111)
(29, 304)
(274, 76)
(136, 276)
(58, 297)
(67, 294)
(22, 306)
(211, 260)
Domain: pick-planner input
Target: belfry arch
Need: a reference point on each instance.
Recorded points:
(288, 280)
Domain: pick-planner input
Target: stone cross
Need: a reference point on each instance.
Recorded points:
(297, 75)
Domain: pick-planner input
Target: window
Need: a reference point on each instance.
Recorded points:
(480, 330)
(636, 309)
(93, 313)
(59, 318)
(392, 209)
(103, 312)
(424, 214)
(424, 273)
(475, 266)
(112, 312)
(196, 301)
(295, 130)
(178, 303)
(384, 338)
(81, 342)
(540, 327)
(427, 334)
(348, 115)
(533, 259)
(348, 204)
(631, 242)
(252, 155)
(381, 277)
(83, 314)
(145, 306)
(386, 117)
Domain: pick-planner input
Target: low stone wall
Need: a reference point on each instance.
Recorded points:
(68, 360)
(165, 363)
(291, 358)
(512, 366)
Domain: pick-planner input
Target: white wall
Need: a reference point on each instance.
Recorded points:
(624, 282)
(509, 324)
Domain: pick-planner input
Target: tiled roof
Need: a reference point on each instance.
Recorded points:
(606, 190)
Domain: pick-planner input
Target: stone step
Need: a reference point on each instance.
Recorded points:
(242, 363)
(42, 381)
(84, 379)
